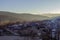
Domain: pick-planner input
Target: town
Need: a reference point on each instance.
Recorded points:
(45, 29)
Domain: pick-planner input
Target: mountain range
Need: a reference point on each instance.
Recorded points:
(6, 17)
(9, 16)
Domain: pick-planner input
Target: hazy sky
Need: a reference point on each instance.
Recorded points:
(30, 6)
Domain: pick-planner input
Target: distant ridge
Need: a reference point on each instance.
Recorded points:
(6, 17)
(51, 15)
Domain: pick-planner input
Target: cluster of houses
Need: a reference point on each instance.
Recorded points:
(44, 30)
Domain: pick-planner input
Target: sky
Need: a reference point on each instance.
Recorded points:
(30, 6)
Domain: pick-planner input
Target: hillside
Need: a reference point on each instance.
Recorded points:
(21, 17)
